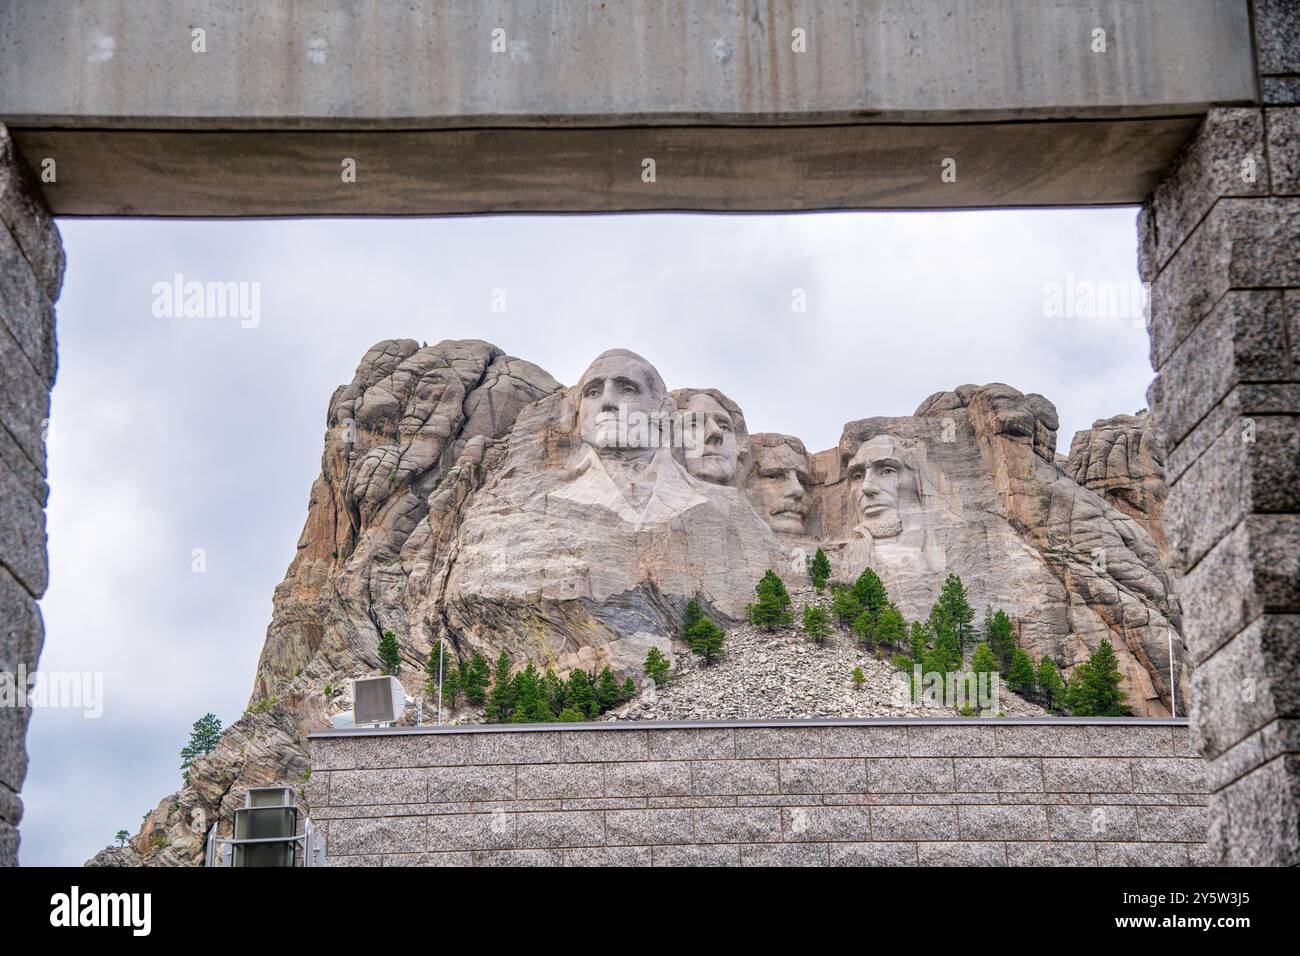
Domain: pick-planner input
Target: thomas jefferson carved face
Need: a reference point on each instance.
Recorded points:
(779, 487)
(881, 479)
(712, 448)
(619, 396)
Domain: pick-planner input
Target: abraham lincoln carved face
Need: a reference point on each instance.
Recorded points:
(882, 483)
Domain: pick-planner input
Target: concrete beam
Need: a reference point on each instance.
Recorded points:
(580, 94)
(226, 174)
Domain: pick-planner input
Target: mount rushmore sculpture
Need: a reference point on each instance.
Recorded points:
(467, 496)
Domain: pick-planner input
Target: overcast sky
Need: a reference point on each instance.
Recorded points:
(170, 434)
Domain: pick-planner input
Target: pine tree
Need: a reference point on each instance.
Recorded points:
(1020, 676)
(581, 695)
(919, 639)
(984, 661)
(1049, 681)
(501, 702)
(844, 605)
(629, 689)
(571, 715)
(865, 628)
(530, 704)
(954, 611)
(539, 710)
(816, 622)
(693, 616)
(1096, 687)
(1000, 636)
(1076, 699)
(772, 610)
(438, 656)
(476, 683)
(657, 666)
(870, 593)
(819, 569)
(858, 678)
(891, 629)
(390, 656)
(945, 656)
(452, 683)
(608, 691)
(204, 736)
(553, 687)
(121, 836)
(707, 638)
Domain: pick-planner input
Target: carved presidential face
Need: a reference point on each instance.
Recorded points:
(712, 448)
(780, 487)
(620, 398)
(880, 479)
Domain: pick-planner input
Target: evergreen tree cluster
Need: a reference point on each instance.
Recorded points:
(531, 697)
(938, 644)
(468, 679)
(1095, 690)
(772, 609)
(1096, 686)
(866, 608)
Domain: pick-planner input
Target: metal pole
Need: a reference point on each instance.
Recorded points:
(441, 655)
(1173, 695)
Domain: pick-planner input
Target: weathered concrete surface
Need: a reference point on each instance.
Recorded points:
(715, 93)
(321, 64)
(795, 793)
(778, 169)
(31, 272)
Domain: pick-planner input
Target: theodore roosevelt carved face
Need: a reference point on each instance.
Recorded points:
(779, 487)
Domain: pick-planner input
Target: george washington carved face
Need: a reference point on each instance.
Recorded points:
(882, 481)
(620, 398)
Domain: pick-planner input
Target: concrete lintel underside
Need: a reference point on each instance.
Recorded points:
(706, 169)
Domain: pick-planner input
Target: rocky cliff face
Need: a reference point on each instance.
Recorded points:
(466, 496)
(1123, 460)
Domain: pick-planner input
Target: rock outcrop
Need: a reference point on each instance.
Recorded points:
(1123, 460)
(466, 496)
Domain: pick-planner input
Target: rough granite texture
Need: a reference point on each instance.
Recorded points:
(791, 794)
(31, 272)
(1221, 254)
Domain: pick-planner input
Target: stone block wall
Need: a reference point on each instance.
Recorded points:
(31, 272)
(1220, 245)
(816, 793)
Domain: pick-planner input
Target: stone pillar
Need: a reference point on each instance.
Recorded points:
(31, 272)
(1220, 245)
